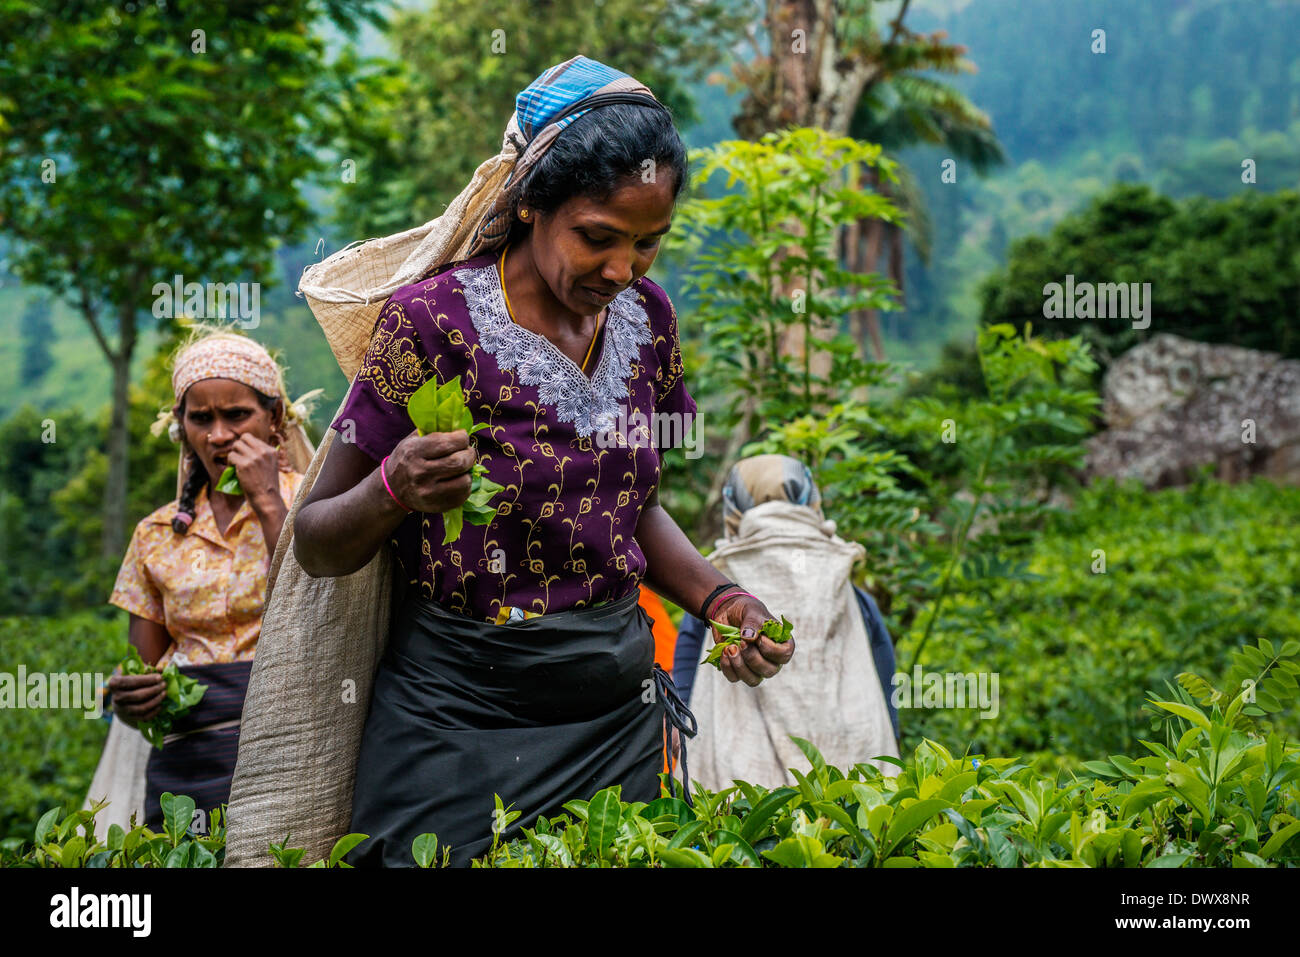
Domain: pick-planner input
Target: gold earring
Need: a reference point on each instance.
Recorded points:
(523, 214)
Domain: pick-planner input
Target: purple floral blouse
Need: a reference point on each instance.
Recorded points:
(557, 440)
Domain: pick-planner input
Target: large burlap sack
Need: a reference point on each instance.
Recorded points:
(119, 778)
(828, 694)
(307, 698)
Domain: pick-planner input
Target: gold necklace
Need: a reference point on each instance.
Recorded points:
(501, 273)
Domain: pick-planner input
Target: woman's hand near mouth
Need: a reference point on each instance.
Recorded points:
(257, 465)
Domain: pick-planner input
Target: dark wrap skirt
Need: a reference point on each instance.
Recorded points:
(540, 712)
(194, 761)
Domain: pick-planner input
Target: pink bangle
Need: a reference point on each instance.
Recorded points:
(384, 476)
(725, 597)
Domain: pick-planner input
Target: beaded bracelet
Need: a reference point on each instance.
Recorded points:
(384, 476)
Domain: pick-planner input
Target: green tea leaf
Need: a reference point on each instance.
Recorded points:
(660, 807)
(603, 814)
(779, 632)
(343, 845)
(46, 824)
(688, 834)
(425, 849)
(452, 523)
(422, 407)
(178, 811)
(229, 482)
(788, 853)
(1276, 842)
(755, 821)
(730, 635)
(741, 848)
(907, 820)
(683, 857)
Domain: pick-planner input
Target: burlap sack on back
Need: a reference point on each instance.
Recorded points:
(120, 778)
(322, 638)
(307, 698)
(828, 694)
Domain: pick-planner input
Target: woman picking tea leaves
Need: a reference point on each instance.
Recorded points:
(519, 661)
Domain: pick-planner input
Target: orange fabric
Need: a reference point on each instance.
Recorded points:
(663, 629)
(665, 633)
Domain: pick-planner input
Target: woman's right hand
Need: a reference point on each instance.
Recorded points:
(431, 473)
(137, 698)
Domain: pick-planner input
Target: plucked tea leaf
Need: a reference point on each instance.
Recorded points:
(422, 407)
(779, 632)
(730, 636)
(183, 693)
(441, 407)
(229, 482)
(452, 523)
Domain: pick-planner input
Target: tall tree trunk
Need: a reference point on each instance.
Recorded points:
(815, 78)
(113, 537)
(864, 257)
(896, 269)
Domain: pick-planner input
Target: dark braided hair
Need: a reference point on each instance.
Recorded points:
(594, 155)
(197, 476)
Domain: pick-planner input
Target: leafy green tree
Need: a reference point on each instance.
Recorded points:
(40, 452)
(1220, 270)
(855, 68)
(794, 188)
(153, 141)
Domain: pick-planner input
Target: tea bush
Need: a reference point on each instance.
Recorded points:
(1221, 790)
(49, 756)
(1190, 574)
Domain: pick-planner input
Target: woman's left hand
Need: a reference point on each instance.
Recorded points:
(258, 467)
(760, 657)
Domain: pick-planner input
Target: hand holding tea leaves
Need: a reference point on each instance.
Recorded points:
(441, 407)
(780, 632)
(763, 645)
(182, 694)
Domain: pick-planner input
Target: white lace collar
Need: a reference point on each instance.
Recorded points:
(590, 404)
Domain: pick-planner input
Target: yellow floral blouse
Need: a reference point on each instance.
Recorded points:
(206, 588)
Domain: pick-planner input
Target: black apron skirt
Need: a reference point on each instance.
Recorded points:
(541, 712)
(202, 763)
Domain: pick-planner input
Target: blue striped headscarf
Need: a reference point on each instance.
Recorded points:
(544, 109)
(558, 87)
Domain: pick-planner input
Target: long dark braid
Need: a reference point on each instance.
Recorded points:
(194, 482)
(197, 477)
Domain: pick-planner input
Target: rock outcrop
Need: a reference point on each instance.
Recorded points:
(1173, 405)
